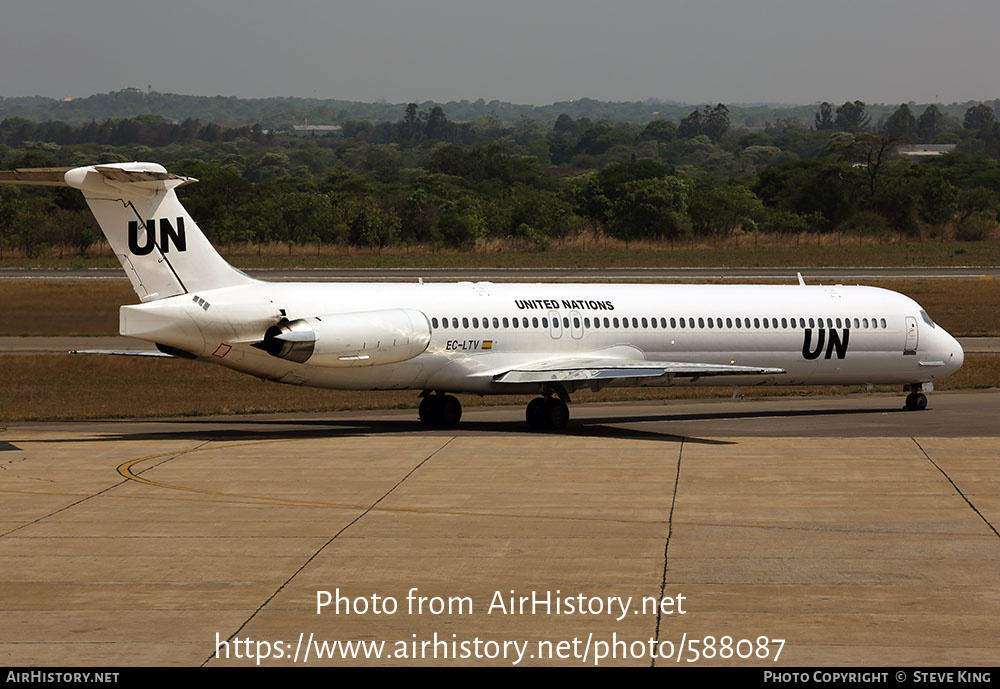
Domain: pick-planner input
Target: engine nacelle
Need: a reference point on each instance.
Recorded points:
(365, 338)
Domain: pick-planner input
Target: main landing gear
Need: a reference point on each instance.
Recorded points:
(440, 411)
(547, 414)
(916, 400)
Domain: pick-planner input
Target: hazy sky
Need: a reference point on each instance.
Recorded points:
(524, 51)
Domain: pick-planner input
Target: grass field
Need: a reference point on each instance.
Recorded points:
(39, 388)
(966, 308)
(588, 251)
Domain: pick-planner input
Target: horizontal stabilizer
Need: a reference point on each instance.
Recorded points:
(43, 176)
(126, 176)
(583, 369)
(56, 176)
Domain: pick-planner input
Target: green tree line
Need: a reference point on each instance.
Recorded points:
(426, 179)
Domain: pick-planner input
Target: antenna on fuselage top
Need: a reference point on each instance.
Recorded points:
(802, 283)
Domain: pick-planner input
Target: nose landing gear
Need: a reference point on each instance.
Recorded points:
(916, 400)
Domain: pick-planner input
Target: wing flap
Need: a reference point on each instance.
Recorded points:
(602, 369)
(125, 352)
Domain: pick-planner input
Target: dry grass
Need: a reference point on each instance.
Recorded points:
(588, 249)
(62, 307)
(90, 307)
(82, 387)
(965, 308)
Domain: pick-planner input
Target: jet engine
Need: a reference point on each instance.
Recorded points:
(365, 338)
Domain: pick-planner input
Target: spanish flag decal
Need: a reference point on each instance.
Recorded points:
(487, 344)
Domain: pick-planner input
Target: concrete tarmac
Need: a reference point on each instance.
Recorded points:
(842, 529)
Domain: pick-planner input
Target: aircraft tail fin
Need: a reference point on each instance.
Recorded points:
(157, 242)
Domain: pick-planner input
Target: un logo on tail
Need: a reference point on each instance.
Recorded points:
(168, 236)
(837, 342)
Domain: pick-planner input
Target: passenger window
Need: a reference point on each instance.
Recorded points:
(882, 323)
(565, 322)
(838, 322)
(465, 322)
(475, 322)
(756, 322)
(506, 322)
(454, 323)
(576, 321)
(673, 322)
(652, 322)
(586, 322)
(784, 323)
(701, 322)
(534, 322)
(607, 323)
(635, 322)
(514, 322)
(746, 322)
(434, 322)
(710, 323)
(645, 323)
(545, 322)
(496, 322)
(812, 324)
(682, 322)
(765, 323)
(739, 323)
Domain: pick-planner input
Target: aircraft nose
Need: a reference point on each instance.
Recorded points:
(956, 355)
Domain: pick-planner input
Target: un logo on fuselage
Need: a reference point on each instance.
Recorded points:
(837, 342)
(168, 235)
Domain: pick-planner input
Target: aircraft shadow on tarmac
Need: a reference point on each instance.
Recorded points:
(608, 426)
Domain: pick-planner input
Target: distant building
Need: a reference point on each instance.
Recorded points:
(316, 129)
(924, 150)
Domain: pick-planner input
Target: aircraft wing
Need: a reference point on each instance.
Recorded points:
(585, 369)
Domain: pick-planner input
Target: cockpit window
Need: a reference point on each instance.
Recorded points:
(927, 319)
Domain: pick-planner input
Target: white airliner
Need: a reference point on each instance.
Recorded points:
(490, 339)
